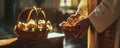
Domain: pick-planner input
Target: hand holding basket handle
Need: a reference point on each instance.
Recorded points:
(33, 28)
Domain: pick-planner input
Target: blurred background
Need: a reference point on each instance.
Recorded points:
(56, 11)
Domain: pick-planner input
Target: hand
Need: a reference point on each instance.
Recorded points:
(79, 30)
(73, 18)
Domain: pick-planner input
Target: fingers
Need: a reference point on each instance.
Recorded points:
(74, 16)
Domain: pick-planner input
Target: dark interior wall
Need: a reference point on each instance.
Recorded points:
(8, 18)
(1, 9)
(12, 8)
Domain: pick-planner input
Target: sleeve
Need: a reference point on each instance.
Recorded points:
(82, 8)
(105, 14)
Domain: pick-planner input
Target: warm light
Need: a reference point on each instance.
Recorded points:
(49, 25)
(43, 21)
(68, 3)
(31, 22)
(40, 26)
(22, 26)
(64, 3)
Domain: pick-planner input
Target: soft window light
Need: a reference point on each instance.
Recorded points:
(62, 4)
(65, 3)
(68, 3)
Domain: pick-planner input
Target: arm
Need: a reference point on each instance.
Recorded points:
(82, 12)
(82, 8)
(105, 14)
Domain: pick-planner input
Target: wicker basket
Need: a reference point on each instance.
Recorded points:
(71, 31)
(75, 31)
(31, 35)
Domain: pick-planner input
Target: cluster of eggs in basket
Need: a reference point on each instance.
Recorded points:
(33, 25)
(71, 21)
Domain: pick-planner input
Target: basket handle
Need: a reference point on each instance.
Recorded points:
(38, 10)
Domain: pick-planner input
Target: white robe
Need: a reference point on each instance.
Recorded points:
(107, 12)
(102, 16)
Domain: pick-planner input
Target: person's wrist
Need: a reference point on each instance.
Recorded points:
(77, 14)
